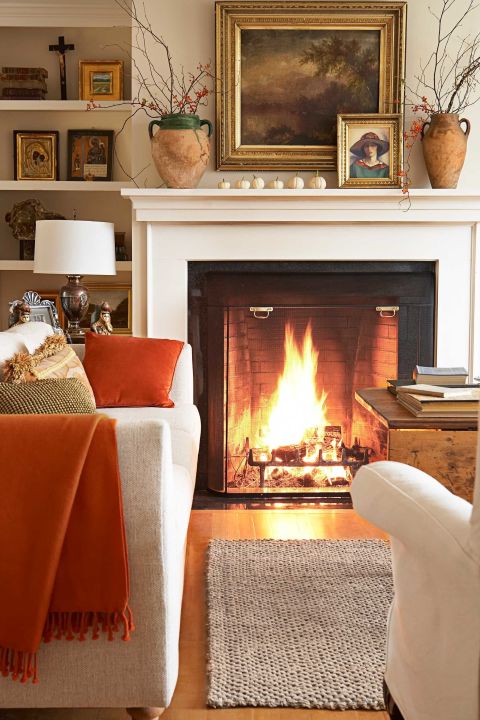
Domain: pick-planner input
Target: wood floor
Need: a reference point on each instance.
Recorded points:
(189, 699)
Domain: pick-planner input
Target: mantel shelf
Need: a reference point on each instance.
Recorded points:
(62, 106)
(121, 265)
(304, 206)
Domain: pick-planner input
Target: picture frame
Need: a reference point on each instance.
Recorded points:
(100, 80)
(119, 297)
(53, 296)
(280, 86)
(41, 310)
(90, 154)
(370, 150)
(35, 155)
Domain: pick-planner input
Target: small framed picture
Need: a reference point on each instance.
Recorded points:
(90, 154)
(100, 80)
(53, 296)
(35, 155)
(119, 297)
(370, 150)
(40, 309)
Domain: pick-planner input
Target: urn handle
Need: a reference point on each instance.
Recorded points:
(424, 127)
(467, 126)
(210, 126)
(151, 124)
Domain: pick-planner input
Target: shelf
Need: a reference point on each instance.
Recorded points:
(63, 106)
(69, 185)
(121, 266)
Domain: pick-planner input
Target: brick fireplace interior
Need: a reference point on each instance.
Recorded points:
(279, 351)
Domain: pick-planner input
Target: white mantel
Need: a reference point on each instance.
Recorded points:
(173, 227)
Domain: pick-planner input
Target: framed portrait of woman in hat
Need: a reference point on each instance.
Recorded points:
(370, 150)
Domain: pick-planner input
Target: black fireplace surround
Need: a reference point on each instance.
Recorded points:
(216, 289)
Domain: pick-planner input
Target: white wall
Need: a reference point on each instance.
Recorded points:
(188, 26)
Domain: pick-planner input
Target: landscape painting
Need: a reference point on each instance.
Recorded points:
(295, 81)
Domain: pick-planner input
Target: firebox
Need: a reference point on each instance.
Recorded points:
(279, 353)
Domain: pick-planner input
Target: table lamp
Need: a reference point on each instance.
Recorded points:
(74, 248)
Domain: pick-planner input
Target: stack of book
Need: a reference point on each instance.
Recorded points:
(440, 375)
(435, 401)
(23, 83)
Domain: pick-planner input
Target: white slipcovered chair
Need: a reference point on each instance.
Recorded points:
(158, 450)
(433, 637)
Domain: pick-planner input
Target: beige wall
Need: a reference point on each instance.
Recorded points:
(188, 26)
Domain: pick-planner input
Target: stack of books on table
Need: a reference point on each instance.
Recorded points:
(435, 401)
(23, 83)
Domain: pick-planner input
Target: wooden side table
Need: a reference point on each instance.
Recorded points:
(445, 448)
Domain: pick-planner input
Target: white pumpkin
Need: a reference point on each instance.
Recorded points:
(276, 184)
(295, 183)
(223, 185)
(242, 184)
(317, 182)
(258, 183)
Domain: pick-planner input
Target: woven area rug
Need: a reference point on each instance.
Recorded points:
(297, 623)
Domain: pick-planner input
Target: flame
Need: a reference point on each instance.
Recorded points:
(297, 414)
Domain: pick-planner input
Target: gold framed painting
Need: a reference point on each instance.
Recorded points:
(285, 69)
(119, 297)
(370, 150)
(100, 80)
(35, 154)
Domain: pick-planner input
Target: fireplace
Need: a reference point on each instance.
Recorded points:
(280, 349)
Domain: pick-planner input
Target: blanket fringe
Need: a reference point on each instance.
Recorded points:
(68, 625)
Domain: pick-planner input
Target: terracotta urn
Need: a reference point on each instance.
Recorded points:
(180, 149)
(444, 148)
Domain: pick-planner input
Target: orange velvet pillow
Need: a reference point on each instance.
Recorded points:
(129, 371)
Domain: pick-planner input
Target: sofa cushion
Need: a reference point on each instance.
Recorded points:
(130, 371)
(26, 337)
(46, 397)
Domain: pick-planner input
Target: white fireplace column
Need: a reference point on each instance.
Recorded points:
(173, 227)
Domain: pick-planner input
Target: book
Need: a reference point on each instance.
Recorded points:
(438, 391)
(440, 376)
(37, 71)
(23, 94)
(424, 406)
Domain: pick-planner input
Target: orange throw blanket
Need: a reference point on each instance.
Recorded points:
(63, 556)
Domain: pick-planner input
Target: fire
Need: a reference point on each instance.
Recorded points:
(297, 414)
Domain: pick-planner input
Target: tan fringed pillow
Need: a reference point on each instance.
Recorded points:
(53, 360)
(45, 397)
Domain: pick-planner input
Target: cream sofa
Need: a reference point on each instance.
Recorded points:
(433, 637)
(158, 451)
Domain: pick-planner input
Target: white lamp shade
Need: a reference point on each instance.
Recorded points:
(74, 247)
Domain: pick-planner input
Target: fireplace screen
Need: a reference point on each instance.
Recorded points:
(291, 423)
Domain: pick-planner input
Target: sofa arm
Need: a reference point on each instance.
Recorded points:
(411, 506)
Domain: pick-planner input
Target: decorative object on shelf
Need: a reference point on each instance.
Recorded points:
(90, 154)
(242, 184)
(22, 218)
(22, 313)
(103, 324)
(284, 72)
(447, 84)
(100, 80)
(370, 150)
(54, 297)
(41, 310)
(258, 183)
(276, 184)
(23, 83)
(317, 182)
(223, 185)
(35, 154)
(180, 149)
(74, 248)
(61, 49)
(120, 249)
(118, 298)
(295, 183)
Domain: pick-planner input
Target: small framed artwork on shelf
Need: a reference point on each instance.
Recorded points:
(119, 297)
(35, 155)
(100, 80)
(53, 296)
(90, 154)
(370, 150)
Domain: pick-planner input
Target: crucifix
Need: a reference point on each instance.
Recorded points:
(61, 49)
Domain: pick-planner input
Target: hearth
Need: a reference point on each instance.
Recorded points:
(279, 350)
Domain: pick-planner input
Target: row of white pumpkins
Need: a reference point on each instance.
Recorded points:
(316, 182)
